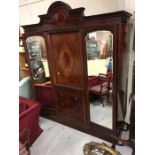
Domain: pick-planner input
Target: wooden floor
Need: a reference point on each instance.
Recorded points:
(101, 115)
(57, 139)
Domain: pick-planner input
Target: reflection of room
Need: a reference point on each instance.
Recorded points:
(101, 108)
(38, 57)
(99, 55)
(100, 42)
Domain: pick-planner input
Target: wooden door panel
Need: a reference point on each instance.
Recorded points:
(44, 95)
(70, 104)
(67, 59)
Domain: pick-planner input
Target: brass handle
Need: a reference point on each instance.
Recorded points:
(58, 73)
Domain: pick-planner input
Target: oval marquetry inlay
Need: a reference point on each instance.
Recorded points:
(60, 16)
(66, 60)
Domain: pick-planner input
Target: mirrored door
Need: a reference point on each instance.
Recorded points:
(99, 45)
(38, 58)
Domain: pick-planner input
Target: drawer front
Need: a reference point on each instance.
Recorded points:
(70, 105)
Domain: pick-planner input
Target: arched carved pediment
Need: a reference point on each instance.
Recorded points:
(61, 16)
(61, 13)
(58, 6)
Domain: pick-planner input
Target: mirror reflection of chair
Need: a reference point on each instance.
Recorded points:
(100, 86)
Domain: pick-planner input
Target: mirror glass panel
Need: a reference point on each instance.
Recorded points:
(38, 58)
(99, 46)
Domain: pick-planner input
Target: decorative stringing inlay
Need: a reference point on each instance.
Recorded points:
(66, 58)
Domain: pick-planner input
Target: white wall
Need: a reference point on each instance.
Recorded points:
(29, 10)
(128, 5)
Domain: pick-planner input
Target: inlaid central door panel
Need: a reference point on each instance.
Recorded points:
(68, 79)
(67, 59)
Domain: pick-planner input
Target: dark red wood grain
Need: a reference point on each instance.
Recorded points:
(64, 30)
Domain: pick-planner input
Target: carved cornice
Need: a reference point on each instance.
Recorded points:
(61, 16)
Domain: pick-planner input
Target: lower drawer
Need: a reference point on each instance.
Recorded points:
(70, 105)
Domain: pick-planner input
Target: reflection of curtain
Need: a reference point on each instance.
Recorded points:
(103, 50)
(106, 47)
(124, 110)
